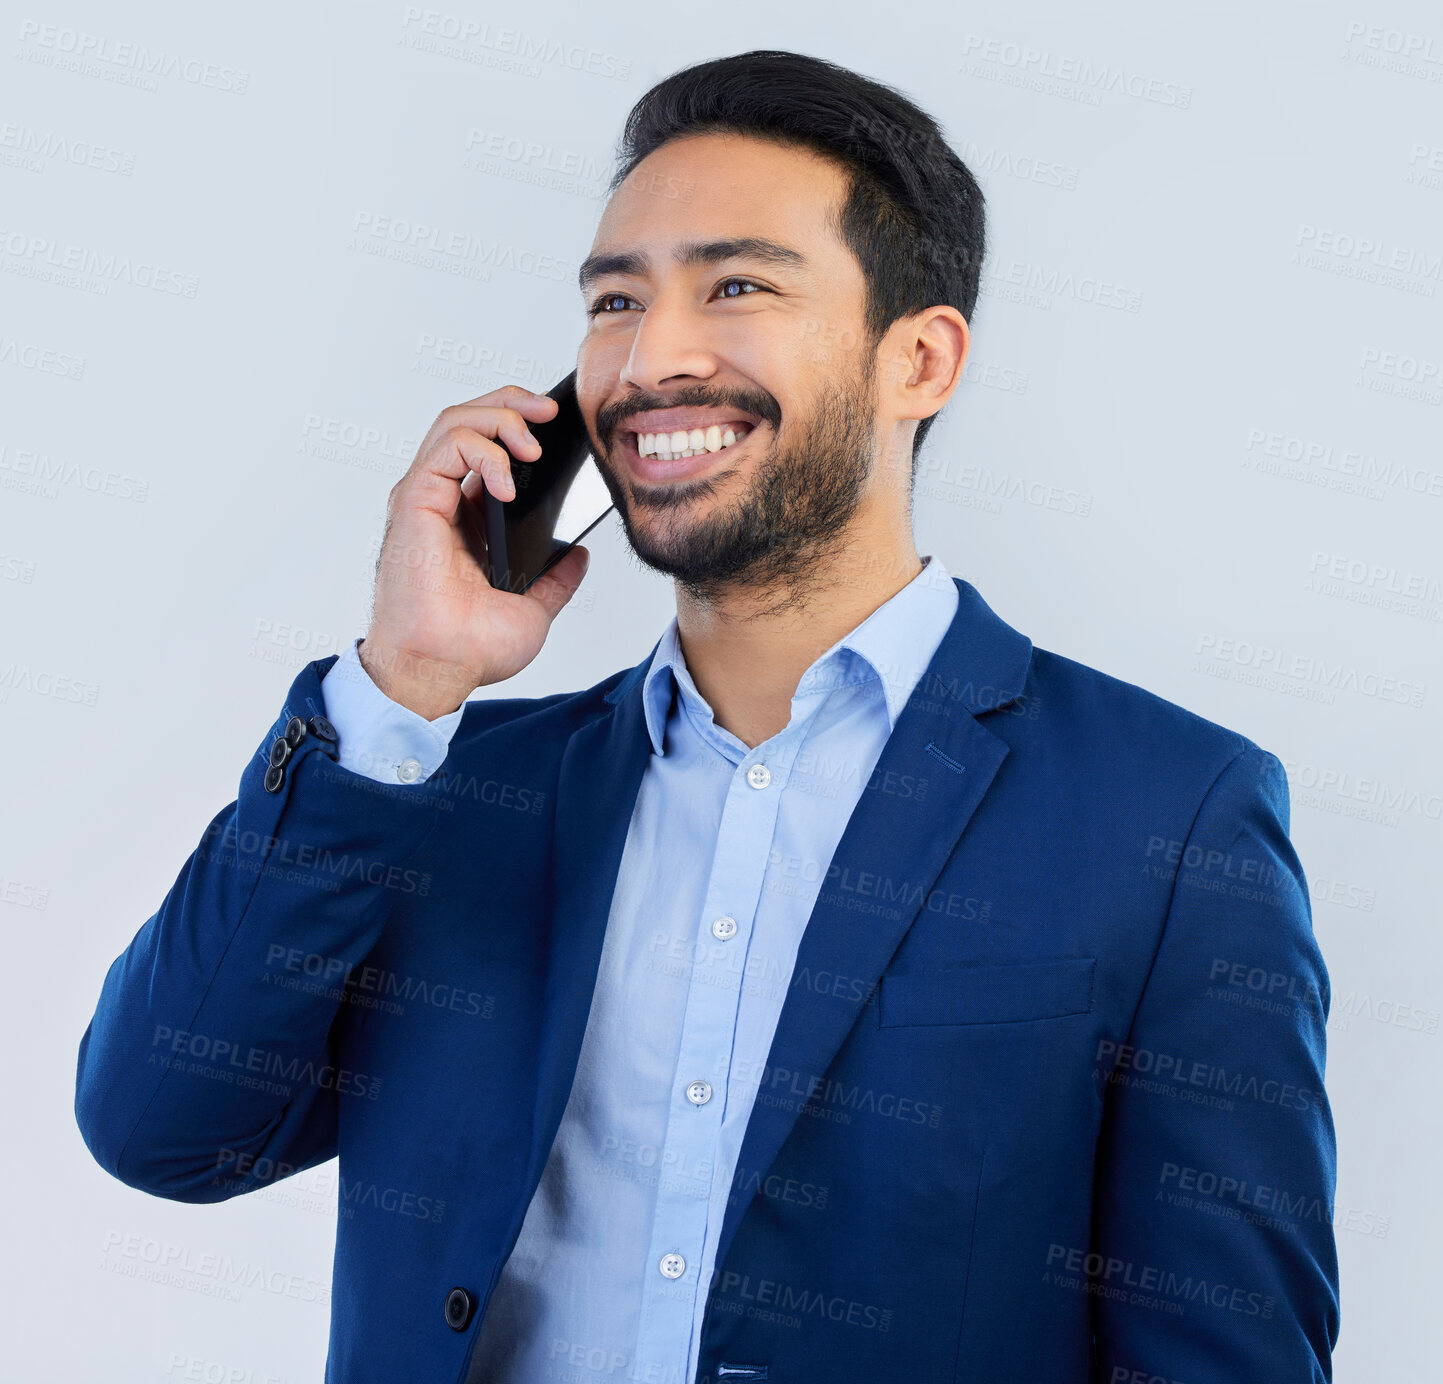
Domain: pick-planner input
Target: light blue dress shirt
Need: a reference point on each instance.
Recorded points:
(724, 858)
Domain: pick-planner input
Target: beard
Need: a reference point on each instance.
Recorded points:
(802, 497)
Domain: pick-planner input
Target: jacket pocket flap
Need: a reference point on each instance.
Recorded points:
(987, 994)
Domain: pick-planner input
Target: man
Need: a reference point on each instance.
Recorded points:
(850, 989)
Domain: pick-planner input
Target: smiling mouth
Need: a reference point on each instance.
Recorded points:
(678, 446)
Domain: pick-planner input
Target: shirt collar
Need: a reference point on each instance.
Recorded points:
(892, 646)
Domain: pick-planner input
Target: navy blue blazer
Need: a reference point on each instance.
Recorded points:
(1053, 1046)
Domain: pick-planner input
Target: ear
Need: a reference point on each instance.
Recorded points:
(921, 359)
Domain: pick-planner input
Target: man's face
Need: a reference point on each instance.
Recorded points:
(766, 337)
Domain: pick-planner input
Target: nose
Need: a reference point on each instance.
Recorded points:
(667, 348)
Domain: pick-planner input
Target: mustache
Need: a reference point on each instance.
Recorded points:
(756, 402)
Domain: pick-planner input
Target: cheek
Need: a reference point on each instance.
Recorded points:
(599, 360)
(763, 347)
(596, 375)
(605, 351)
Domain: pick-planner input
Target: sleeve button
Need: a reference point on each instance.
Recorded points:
(459, 1307)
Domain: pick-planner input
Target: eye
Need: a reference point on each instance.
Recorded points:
(727, 283)
(596, 309)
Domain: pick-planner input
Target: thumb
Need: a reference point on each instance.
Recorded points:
(555, 587)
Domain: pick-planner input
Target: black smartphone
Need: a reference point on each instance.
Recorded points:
(560, 497)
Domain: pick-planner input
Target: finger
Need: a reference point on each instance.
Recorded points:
(502, 424)
(488, 459)
(556, 586)
(537, 407)
(432, 481)
(509, 427)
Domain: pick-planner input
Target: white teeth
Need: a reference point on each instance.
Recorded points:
(676, 446)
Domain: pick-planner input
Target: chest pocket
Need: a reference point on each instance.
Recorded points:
(1013, 993)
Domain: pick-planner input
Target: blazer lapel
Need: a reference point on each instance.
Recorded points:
(902, 843)
(600, 776)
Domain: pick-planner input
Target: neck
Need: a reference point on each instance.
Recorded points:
(747, 649)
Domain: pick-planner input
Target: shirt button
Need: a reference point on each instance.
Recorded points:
(699, 1092)
(759, 776)
(409, 770)
(725, 928)
(672, 1265)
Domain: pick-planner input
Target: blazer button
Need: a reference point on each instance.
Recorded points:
(323, 730)
(280, 752)
(459, 1307)
(295, 731)
(275, 778)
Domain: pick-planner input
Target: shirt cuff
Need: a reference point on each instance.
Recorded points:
(382, 739)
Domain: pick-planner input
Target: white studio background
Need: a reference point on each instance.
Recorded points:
(1210, 314)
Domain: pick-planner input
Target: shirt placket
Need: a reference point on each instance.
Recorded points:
(722, 942)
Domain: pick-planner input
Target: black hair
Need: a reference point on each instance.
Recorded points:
(913, 216)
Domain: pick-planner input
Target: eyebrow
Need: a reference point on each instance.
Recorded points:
(688, 254)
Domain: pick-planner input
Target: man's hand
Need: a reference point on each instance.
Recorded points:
(439, 629)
